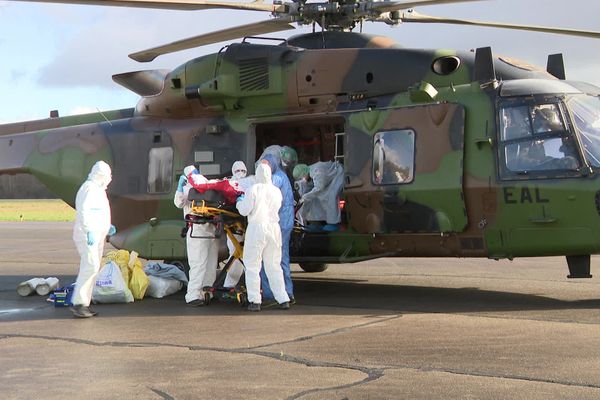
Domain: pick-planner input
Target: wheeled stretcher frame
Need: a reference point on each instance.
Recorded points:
(226, 221)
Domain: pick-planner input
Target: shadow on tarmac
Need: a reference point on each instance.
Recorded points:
(332, 296)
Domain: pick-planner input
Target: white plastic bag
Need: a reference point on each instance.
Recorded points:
(110, 286)
(161, 287)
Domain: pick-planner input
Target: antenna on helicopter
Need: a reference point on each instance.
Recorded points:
(556, 66)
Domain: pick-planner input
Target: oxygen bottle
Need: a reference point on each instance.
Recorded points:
(48, 285)
(28, 287)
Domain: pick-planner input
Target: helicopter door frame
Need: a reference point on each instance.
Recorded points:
(422, 195)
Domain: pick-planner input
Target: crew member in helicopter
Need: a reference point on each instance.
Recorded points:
(532, 155)
(319, 187)
(202, 246)
(546, 119)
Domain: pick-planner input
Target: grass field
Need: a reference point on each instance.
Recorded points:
(35, 210)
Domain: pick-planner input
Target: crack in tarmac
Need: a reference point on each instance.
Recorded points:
(327, 333)
(491, 375)
(162, 394)
(372, 373)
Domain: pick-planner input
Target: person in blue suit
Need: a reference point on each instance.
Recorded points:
(286, 223)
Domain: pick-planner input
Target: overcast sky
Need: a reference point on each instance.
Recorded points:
(57, 56)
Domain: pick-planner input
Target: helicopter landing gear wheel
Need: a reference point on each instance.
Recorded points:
(313, 266)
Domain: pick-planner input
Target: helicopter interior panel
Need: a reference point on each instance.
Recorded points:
(313, 140)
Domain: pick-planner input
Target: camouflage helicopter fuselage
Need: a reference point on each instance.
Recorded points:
(427, 169)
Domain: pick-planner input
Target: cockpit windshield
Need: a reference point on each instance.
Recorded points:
(530, 120)
(586, 117)
(535, 140)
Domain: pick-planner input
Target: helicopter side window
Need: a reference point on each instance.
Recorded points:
(586, 116)
(514, 123)
(393, 157)
(534, 138)
(160, 170)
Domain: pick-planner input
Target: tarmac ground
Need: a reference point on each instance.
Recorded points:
(399, 328)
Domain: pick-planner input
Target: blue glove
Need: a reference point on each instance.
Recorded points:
(240, 198)
(112, 230)
(90, 239)
(181, 184)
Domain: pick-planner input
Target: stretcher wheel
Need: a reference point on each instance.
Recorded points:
(242, 298)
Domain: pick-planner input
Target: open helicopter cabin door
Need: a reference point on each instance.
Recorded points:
(314, 139)
(404, 170)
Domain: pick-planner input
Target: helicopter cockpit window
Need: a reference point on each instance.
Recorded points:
(534, 138)
(160, 170)
(586, 116)
(394, 157)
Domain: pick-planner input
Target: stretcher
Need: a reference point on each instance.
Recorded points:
(213, 207)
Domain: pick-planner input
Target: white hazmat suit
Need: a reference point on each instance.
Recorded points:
(239, 172)
(202, 246)
(263, 236)
(92, 224)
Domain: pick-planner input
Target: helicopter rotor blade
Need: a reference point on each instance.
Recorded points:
(416, 17)
(257, 28)
(173, 4)
(386, 6)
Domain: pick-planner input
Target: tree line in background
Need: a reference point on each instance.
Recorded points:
(23, 186)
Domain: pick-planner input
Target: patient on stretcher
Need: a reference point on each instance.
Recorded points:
(229, 190)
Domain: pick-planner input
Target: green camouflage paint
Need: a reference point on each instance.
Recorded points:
(222, 107)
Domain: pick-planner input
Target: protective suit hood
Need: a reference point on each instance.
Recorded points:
(100, 174)
(263, 174)
(273, 163)
(188, 170)
(239, 170)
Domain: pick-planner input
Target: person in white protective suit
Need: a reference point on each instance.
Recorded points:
(202, 246)
(263, 238)
(321, 202)
(92, 225)
(239, 172)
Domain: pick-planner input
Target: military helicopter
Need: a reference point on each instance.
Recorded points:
(445, 153)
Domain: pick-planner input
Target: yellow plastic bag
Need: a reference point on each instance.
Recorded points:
(121, 258)
(139, 281)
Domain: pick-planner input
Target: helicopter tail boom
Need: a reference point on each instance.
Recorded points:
(22, 141)
(17, 143)
(14, 150)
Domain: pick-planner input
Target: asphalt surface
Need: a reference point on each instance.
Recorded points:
(383, 329)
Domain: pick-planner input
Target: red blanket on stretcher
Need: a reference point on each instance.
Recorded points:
(229, 189)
